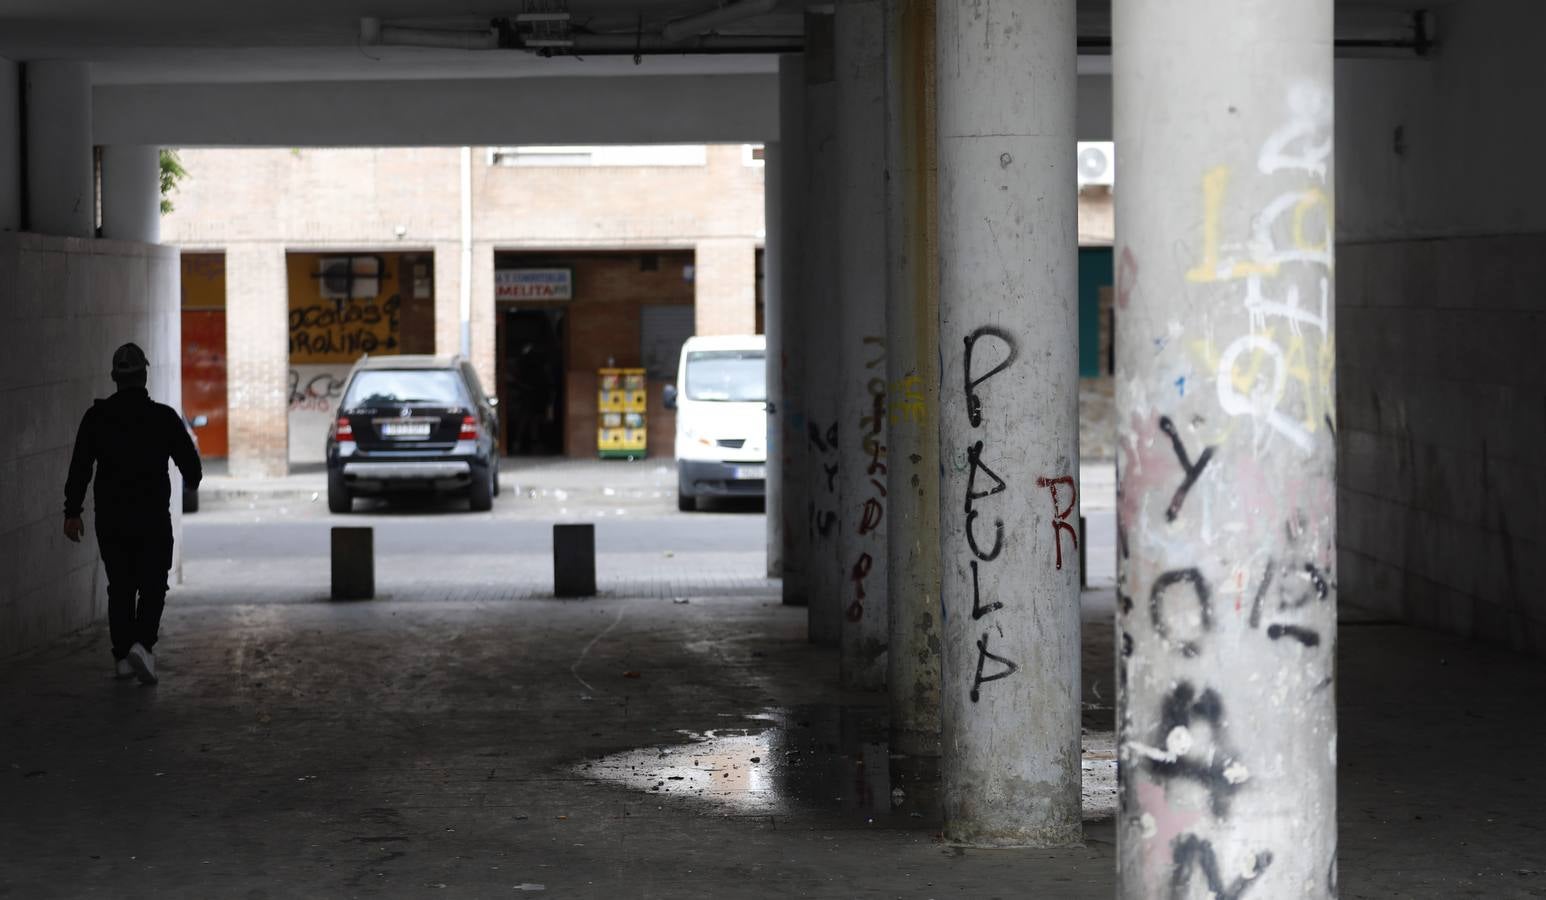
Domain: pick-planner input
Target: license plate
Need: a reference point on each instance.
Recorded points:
(405, 429)
(749, 473)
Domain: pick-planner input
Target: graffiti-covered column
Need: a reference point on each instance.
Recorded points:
(1227, 590)
(912, 367)
(1009, 436)
(825, 579)
(861, 153)
(785, 189)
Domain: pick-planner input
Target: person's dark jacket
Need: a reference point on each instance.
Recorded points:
(128, 438)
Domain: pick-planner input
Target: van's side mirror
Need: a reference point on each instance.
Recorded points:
(670, 396)
(200, 421)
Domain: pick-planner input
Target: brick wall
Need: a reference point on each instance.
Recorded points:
(602, 329)
(726, 278)
(254, 203)
(257, 360)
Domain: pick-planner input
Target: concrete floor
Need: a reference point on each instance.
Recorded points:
(490, 744)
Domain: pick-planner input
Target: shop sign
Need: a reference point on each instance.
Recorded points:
(533, 284)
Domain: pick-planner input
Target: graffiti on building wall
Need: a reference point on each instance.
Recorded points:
(348, 327)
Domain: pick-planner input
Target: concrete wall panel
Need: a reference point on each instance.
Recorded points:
(75, 300)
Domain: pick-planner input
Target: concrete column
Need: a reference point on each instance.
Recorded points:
(824, 434)
(787, 352)
(61, 197)
(912, 367)
(257, 360)
(725, 286)
(1009, 452)
(10, 147)
(773, 331)
(131, 193)
(859, 40)
(1225, 399)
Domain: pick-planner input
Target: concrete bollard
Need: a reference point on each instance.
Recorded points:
(354, 563)
(574, 560)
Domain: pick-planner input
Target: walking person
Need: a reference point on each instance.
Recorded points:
(128, 439)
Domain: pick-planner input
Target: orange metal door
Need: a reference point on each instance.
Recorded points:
(204, 377)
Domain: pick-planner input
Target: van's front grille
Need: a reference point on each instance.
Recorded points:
(732, 443)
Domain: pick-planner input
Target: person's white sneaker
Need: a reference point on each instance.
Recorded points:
(144, 663)
(123, 669)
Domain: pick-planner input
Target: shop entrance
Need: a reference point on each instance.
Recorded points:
(531, 381)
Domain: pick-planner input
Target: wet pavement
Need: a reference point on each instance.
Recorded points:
(478, 739)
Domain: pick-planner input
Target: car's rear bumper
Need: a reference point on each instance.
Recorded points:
(367, 476)
(707, 478)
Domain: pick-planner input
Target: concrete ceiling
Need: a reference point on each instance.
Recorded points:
(196, 41)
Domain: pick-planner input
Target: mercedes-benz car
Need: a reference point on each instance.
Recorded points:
(413, 423)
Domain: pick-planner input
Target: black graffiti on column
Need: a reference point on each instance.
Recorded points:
(1158, 603)
(1189, 852)
(1205, 763)
(978, 610)
(991, 485)
(1006, 667)
(1192, 469)
(974, 402)
(1316, 586)
(823, 519)
(975, 464)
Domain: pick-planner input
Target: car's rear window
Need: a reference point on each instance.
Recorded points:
(380, 387)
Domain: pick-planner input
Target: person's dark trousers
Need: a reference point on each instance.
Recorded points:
(137, 556)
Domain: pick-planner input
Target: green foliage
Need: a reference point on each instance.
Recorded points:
(172, 172)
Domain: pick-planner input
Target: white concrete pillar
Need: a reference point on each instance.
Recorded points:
(861, 170)
(258, 360)
(1226, 450)
(786, 316)
(1009, 509)
(773, 331)
(10, 147)
(61, 197)
(912, 367)
(131, 193)
(824, 433)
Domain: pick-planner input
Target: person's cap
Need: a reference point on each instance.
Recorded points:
(129, 360)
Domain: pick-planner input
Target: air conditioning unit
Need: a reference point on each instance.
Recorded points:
(1097, 163)
(348, 277)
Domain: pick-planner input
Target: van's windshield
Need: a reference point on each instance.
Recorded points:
(734, 376)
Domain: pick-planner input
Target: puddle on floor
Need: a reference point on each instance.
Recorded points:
(831, 761)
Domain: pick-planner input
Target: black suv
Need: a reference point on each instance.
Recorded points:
(413, 423)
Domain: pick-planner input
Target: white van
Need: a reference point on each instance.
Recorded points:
(720, 398)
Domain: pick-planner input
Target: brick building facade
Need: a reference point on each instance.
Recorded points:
(638, 228)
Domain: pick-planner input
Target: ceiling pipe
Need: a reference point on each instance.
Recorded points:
(649, 44)
(373, 33)
(704, 22)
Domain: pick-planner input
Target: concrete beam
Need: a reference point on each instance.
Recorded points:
(640, 110)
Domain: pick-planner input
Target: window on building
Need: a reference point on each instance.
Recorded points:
(662, 332)
(601, 155)
(754, 154)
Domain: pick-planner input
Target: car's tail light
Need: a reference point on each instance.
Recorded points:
(469, 429)
(345, 431)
